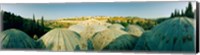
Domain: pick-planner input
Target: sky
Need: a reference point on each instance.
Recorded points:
(52, 11)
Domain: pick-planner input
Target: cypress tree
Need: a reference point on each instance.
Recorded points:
(178, 13)
(33, 25)
(33, 18)
(182, 13)
(172, 15)
(42, 23)
(188, 11)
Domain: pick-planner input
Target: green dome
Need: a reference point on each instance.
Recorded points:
(16, 39)
(103, 38)
(60, 39)
(124, 42)
(142, 41)
(176, 34)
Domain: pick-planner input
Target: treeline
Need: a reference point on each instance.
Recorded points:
(187, 13)
(56, 24)
(147, 24)
(34, 28)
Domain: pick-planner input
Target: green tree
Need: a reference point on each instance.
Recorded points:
(177, 13)
(182, 13)
(172, 15)
(128, 21)
(27, 25)
(124, 24)
(188, 12)
(42, 23)
(33, 18)
(108, 20)
(33, 23)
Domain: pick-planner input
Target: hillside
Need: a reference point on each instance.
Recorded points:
(66, 22)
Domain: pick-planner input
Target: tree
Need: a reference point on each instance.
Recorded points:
(177, 13)
(34, 18)
(128, 21)
(108, 20)
(124, 24)
(172, 15)
(33, 25)
(182, 13)
(188, 12)
(27, 25)
(42, 23)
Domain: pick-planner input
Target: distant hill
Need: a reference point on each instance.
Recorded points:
(145, 23)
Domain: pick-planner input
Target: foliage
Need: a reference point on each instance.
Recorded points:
(124, 24)
(188, 12)
(29, 26)
(147, 24)
(57, 24)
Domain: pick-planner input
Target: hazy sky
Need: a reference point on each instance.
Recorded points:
(62, 10)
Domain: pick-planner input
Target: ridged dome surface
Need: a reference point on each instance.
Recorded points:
(135, 30)
(61, 39)
(176, 34)
(16, 39)
(124, 42)
(103, 38)
(91, 23)
(142, 41)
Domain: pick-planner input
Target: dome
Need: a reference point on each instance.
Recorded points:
(92, 23)
(16, 39)
(176, 34)
(60, 39)
(85, 45)
(124, 42)
(135, 30)
(116, 26)
(87, 29)
(77, 28)
(103, 38)
(194, 21)
(87, 33)
(141, 44)
(85, 36)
